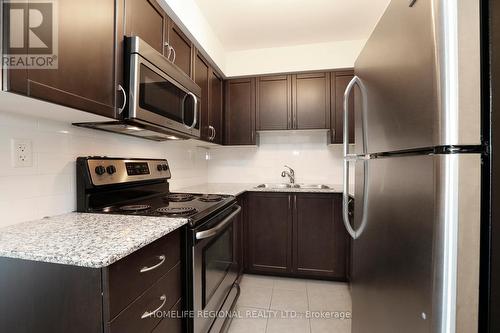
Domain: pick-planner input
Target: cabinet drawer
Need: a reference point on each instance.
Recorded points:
(171, 325)
(166, 291)
(131, 276)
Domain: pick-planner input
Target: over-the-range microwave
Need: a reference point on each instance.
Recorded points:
(160, 102)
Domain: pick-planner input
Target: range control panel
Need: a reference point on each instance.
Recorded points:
(107, 171)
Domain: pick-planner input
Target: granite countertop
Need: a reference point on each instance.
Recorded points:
(82, 239)
(239, 188)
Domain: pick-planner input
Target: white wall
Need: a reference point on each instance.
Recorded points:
(306, 152)
(49, 188)
(317, 56)
(334, 55)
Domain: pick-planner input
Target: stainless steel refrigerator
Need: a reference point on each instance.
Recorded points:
(417, 162)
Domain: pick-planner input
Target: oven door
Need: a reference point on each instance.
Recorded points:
(156, 98)
(215, 268)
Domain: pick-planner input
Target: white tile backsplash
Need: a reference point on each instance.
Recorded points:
(306, 152)
(49, 187)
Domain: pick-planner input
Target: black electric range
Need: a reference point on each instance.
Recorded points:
(210, 241)
(139, 187)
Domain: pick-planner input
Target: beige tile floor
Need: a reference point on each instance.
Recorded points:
(276, 305)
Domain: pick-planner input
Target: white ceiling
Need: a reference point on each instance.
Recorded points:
(255, 24)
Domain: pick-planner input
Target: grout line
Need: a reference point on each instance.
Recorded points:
(270, 302)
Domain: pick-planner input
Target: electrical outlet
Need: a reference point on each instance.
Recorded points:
(22, 153)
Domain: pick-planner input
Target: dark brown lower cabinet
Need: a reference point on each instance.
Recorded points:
(269, 233)
(55, 298)
(321, 244)
(297, 234)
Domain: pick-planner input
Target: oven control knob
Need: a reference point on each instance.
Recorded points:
(165, 167)
(159, 167)
(100, 170)
(111, 169)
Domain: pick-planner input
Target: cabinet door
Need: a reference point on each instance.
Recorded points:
(269, 233)
(240, 112)
(274, 98)
(321, 244)
(201, 73)
(311, 101)
(145, 19)
(85, 77)
(340, 81)
(183, 48)
(215, 107)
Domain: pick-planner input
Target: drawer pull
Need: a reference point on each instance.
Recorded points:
(147, 269)
(163, 299)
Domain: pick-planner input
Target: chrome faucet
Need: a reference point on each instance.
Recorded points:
(290, 173)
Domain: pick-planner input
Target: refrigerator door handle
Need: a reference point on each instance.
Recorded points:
(355, 81)
(354, 158)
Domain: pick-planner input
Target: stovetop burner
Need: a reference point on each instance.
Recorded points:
(176, 211)
(134, 208)
(180, 197)
(211, 198)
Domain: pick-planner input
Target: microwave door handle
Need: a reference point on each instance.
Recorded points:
(195, 117)
(120, 88)
(217, 229)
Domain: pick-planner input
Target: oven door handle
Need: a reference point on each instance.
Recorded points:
(215, 230)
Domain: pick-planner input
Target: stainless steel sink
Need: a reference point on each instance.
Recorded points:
(297, 186)
(271, 186)
(312, 186)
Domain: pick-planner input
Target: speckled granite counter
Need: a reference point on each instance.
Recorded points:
(80, 239)
(239, 188)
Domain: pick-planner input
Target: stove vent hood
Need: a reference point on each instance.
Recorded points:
(135, 128)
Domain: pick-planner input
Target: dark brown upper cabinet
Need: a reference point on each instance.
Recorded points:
(339, 82)
(87, 54)
(182, 52)
(201, 73)
(216, 93)
(311, 101)
(240, 112)
(269, 233)
(211, 85)
(147, 20)
(274, 99)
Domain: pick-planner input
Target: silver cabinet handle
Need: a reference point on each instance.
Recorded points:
(120, 88)
(169, 50)
(147, 269)
(212, 131)
(172, 51)
(215, 230)
(163, 299)
(350, 157)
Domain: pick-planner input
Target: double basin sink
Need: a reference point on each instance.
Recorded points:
(297, 186)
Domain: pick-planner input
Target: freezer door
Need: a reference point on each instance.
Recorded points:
(419, 245)
(421, 70)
